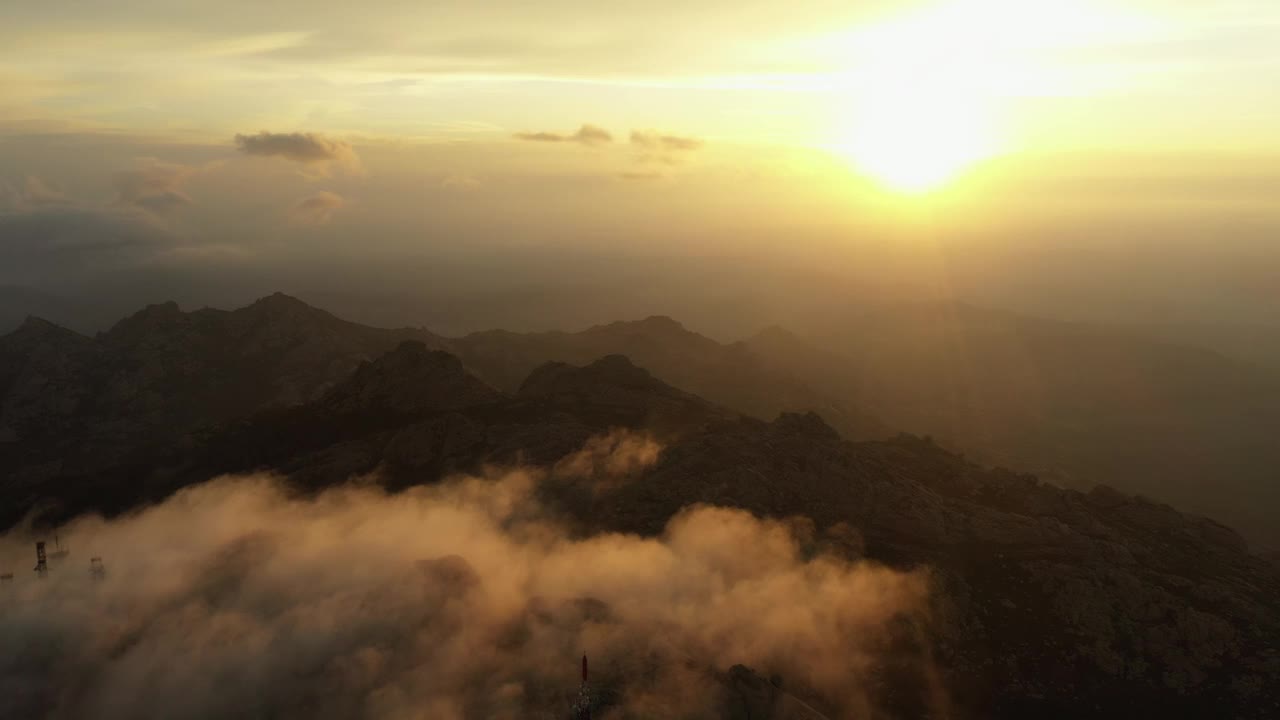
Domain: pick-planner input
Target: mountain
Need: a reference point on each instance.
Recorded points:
(18, 303)
(1258, 344)
(732, 375)
(69, 403)
(1078, 404)
(1045, 602)
(42, 371)
(408, 380)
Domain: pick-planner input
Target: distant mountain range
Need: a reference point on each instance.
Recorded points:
(1079, 405)
(1047, 602)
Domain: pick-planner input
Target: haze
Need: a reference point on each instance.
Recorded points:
(775, 156)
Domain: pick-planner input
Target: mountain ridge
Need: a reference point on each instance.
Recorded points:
(1045, 601)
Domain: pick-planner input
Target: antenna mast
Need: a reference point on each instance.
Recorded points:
(582, 707)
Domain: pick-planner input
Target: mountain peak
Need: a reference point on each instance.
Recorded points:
(33, 325)
(806, 423)
(775, 334)
(36, 328)
(155, 312)
(665, 322)
(657, 325)
(278, 300)
(609, 371)
(164, 309)
(615, 390)
(411, 379)
(619, 367)
(145, 321)
(280, 305)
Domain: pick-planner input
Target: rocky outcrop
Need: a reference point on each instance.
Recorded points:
(410, 380)
(615, 391)
(43, 380)
(72, 405)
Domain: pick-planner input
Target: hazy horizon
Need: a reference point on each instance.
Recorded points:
(1083, 161)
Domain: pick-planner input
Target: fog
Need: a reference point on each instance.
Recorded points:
(466, 599)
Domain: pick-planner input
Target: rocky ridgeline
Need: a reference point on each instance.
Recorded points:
(1045, 602)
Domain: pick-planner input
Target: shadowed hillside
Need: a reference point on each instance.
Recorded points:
(1078, 404)
(1043, 601)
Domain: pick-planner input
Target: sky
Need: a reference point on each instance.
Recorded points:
(499, 163)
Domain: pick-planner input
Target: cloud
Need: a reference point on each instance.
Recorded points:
(37, 192)
(657, 147)
(590, 135)
(55, 242)
(239, 597)
(460, 181)
(33, 194)
(616, 454)
(47, 237)
(313, 150)
(153, 185)
(653, 140)
(317, 209)
(642, 175)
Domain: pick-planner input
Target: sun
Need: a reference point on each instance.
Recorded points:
(917, 135)
(924, 93)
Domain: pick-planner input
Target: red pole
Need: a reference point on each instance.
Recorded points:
(584, 695)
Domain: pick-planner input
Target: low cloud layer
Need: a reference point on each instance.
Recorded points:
(462, 600)
(460, 181)
(153, 185)
(611, 456)
(52, 238)
(57, 242)
(317, 209)
(32, 193)
(659, 147)
(589, 135)
(317, 152)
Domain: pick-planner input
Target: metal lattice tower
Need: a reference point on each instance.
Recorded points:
(42, 560)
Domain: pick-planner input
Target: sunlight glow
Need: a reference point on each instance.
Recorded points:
(926, 93)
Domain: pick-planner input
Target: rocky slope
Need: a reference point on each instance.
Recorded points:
(1078, 404)
(733, 375)
(70, 404)
(1045, 602)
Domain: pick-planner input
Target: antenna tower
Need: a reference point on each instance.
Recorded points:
(582, 706)
(42, 560)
